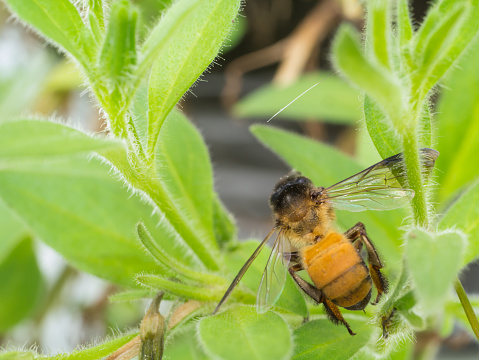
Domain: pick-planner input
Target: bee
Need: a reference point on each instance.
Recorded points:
(307, 240)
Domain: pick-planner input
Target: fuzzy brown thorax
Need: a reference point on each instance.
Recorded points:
(299, 211)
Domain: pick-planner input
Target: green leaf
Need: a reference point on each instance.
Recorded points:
(96, 18)
(13, 230)
(404, 35)
(321, 339)
(385, 138)
(291, 299)
(77, 208)
(380, 129)
(447, 31)
(240, 333)
(118, 55)
(179, 289)
(223, 222)
(183, 169)
(379, 31)
(370, 77)
(184, 347)
(22, 285)
(24, 141)
(172, 266)
(464, 215)
(132, 295)
(458, 127)
(331, 100)
(326, 166)
(434, 261)
(96, 352)
(404, 26)
(60, 22)
(184, 43)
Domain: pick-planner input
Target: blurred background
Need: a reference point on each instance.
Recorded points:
(279, 49)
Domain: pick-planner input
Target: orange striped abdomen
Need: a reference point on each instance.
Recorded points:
(335, 267)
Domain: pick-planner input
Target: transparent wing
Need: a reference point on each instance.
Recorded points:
(274, 275)
(243, 270)
(382, 186)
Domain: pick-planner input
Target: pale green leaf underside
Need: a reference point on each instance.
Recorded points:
(433, 278)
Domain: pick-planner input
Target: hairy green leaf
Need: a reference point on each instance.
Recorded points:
(223, 222)
(380, 129)
(321, 339)
(60, 22)
(184, 43)
(118, 55)
(379, 30)
(464, 215)
(97, 351)
(291, 299)
(331, 100)
(404, 35)
(370, 77)
(86, 215)
(325, 166)
(22, 285)
(240, 333)
(24, 141)
(448, 29)
(434, 261)
(179, 289)
(183, 169)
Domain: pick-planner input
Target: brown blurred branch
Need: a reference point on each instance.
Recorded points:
(293, 53)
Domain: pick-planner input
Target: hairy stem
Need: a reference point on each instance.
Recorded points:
(413, 168)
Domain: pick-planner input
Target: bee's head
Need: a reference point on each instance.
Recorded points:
(291, 196)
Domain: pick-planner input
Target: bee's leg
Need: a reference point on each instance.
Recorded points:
(358, 232)
(332, 311)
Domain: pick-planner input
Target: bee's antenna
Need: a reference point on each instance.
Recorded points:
(297, 97)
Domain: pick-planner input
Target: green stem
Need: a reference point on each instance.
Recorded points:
(414, 176)
(471, 316)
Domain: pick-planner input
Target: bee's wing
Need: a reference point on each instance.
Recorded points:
(274, 275)
(382, 186)
(243, 270)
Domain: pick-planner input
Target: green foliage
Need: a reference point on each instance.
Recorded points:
(20, 275)
(241, 333)
(463, 215)
(143, 210)
(433, 279)
(331, 100)
(335, 343)
(458, 127)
